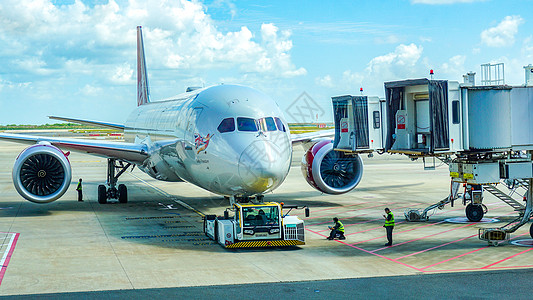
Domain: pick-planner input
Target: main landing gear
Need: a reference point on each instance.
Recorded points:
(112, 192)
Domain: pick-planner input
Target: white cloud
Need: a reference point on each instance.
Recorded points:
(90, 90)
(178, 34)
(502, 34)
(123, 75)
(435, 2)
(527, 50)
(325, 81)
(389, 39)
(395, 64)
(454, 67)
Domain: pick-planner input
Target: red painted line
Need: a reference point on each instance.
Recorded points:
(424, 237)
(355, 215)
(380, 237)
(345, 212)
(361, 249)
(500, 261)
(415, 253)
(337, 207)
(374, 228)
(440, 262)
(8, 257)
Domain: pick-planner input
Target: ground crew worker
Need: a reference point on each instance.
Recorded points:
(79, 189)
(389, 225)
(338, 228)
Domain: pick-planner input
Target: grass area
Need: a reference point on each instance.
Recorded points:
(47, 126)
(308, 127)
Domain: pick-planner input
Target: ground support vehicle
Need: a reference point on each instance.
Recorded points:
(254, 225)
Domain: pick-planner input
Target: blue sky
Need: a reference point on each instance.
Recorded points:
(77, 58)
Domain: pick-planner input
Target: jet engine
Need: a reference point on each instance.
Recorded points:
(329, 171)
(42, 173)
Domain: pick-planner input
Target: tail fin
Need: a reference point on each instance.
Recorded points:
(143, 95)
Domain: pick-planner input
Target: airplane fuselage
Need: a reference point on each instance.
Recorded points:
(228, 139)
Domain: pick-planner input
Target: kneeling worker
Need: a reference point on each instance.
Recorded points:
(338, 228)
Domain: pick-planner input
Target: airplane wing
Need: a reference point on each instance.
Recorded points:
(307, 137)
(89, 122)
(130, 152)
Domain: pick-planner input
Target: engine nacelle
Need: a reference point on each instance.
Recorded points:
(42, 173)
(330, 171)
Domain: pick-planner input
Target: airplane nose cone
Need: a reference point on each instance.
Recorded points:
(263, 166)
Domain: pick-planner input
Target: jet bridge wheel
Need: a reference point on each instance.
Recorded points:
(102, 194)
(474, 212)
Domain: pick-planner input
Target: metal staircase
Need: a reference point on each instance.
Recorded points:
(517, 206)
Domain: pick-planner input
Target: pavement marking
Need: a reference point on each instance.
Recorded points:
(380, 237)
(523, 243)
(445, 244)
(8, 253)
(424, 237)
(500, 261)
(425, 269)
(346, 212)
(187, 206)
(463, 220)
(150, 218)
(361, 249)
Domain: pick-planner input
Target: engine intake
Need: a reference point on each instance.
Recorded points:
(330, 171)
(42, 173)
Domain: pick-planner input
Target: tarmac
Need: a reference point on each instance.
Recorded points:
(156, 242)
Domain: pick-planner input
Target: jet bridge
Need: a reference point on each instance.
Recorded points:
(484, 134)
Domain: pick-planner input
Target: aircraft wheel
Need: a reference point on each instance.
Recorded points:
(102, 194)
(474, 213)
(531, 230)
(122, 193)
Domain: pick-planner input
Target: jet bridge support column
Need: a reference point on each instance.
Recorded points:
(496, 236)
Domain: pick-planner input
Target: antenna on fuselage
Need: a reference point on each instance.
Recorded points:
(143, 94)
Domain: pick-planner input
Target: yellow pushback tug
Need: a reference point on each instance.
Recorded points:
(256, 225)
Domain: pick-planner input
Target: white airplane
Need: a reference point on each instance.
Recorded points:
(228, 139)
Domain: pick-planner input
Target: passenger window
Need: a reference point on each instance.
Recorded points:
(227, 125)
(246, 124)
(281, 127)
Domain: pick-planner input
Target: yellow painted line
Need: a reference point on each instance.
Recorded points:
(187, 206)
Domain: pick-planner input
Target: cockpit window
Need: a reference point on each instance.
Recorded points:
(267, 124)
(227, 125)
(281, 127)
(246, 124)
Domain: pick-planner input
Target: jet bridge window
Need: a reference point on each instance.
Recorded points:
(267, 124)
(246, 124)
(227, 125)
(281, 127)
(455, 112)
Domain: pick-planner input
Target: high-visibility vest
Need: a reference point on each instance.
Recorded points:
(391, 222)
(341, 227)
(79, 188)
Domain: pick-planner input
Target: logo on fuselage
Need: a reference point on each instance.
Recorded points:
(201, 143)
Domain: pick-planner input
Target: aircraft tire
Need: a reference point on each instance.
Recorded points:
(531, 230)
(474, 213)
(122, 193)
(102, 194)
